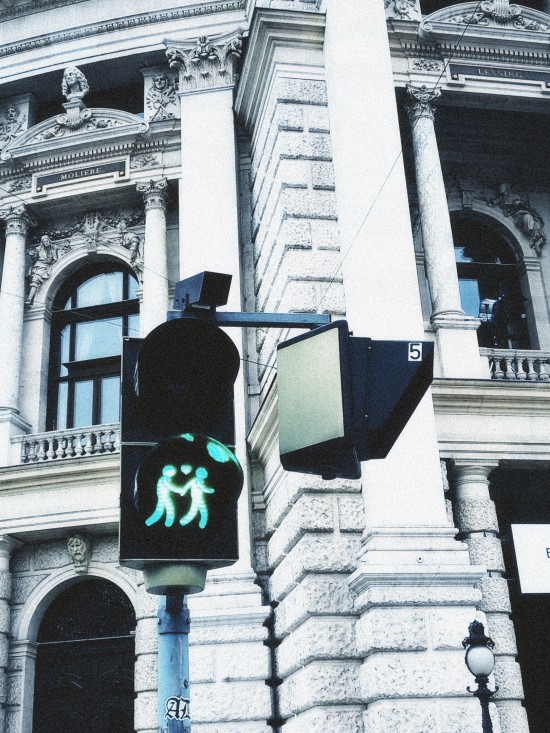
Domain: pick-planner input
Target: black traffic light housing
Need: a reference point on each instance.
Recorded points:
(180, 480)
(344, 399)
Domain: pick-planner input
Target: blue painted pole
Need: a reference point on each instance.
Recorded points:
(173, 661)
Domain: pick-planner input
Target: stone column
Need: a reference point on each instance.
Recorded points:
(155, 265)
(456, 333)
(12, 304)
(476, 519)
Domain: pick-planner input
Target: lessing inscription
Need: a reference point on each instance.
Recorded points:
(499, 72)
(72, 175)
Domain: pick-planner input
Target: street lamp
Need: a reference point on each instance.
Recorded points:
(480, 661)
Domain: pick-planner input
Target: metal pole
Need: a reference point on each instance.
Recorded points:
(173, 663)
(484, 694)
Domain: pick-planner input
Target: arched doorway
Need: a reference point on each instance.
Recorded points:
(84, 678)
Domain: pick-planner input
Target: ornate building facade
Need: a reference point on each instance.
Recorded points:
(385, 162)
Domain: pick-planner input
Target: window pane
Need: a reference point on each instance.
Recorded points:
(83, 403)
(64, 350)
(132, 288)
(105, 288)
(97, 339)
(133, 325)
(61, 421)
(110, 393)
(469, 296)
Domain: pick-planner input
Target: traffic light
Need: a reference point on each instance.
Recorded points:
(343, 399)
(180, 479)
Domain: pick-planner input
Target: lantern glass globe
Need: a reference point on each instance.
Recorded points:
(480, 660)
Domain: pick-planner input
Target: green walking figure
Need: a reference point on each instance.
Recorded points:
(198, 489)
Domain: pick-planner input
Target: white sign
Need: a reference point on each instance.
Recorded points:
(532, 545)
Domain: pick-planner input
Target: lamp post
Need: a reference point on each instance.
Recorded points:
(480, 661)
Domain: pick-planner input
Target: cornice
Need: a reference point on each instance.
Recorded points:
(271, 32)
(484, 397)
(57, 474)
(117, 24)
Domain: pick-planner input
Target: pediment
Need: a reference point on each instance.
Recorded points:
(491, 21)
(62, 132)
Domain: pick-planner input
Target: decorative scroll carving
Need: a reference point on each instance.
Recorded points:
(43, 255)
(427, 64)
(490, 13)
(160, 99)
(147, 160)
(79, 547)
(206, 65)
(23, 183)
(13, 125)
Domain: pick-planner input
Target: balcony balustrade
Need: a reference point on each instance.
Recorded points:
(518, 365)
(72, 443)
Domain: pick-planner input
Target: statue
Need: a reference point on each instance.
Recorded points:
(161, 95)
(43, 256)
(133, 242)
(12, 126)
(74, 85)
(526, 219)
(79, 547)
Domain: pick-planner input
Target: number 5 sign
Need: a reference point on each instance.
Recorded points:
(415, 351)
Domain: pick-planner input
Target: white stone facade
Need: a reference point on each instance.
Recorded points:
(327, 154)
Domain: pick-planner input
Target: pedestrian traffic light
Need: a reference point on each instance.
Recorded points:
(180, 479)
(343, 399)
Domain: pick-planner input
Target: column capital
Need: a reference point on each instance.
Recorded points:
(154, 193)
(204, 65)
(421, 102)
(17, 219)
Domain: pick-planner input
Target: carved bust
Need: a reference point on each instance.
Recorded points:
(79, 547)
(74, 84)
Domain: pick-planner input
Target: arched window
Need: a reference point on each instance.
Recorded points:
(489, 285)
(92, 312)
(84, 679)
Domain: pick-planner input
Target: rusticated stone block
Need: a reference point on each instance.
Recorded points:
(11, 689)
(105, 548)
(146, 636)
(475, 515)
(449, 626)
(145, 711)
(317, 119)
(230, 701)
(508, 678)
(316, 595)
(227, 633)
(309, 204)
(306, 91)
(486, 551)
(322, 175)
(243, 726)
(428, 674)
(288, 117)
(5, 585)
(320, 683)
(314, 554)
(325, 719)
(20, 560)
(5, 617)
(399, 716)
(494, 595)
(147, 604)
(513, 718)
(51, 555)
(392, 629)
(407, 595)
(240, 662)
(296, 233)
(317, 638)
(464, 717)
(309, 514)
(146, 672)
(351, 513)
(325, 234)
(201, 663)
(22, 586)
(501, 630)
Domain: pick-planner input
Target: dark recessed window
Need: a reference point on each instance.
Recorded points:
(91, 315)
(489, 285)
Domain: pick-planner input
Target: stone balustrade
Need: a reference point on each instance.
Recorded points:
(71, 443)
(523, 365)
